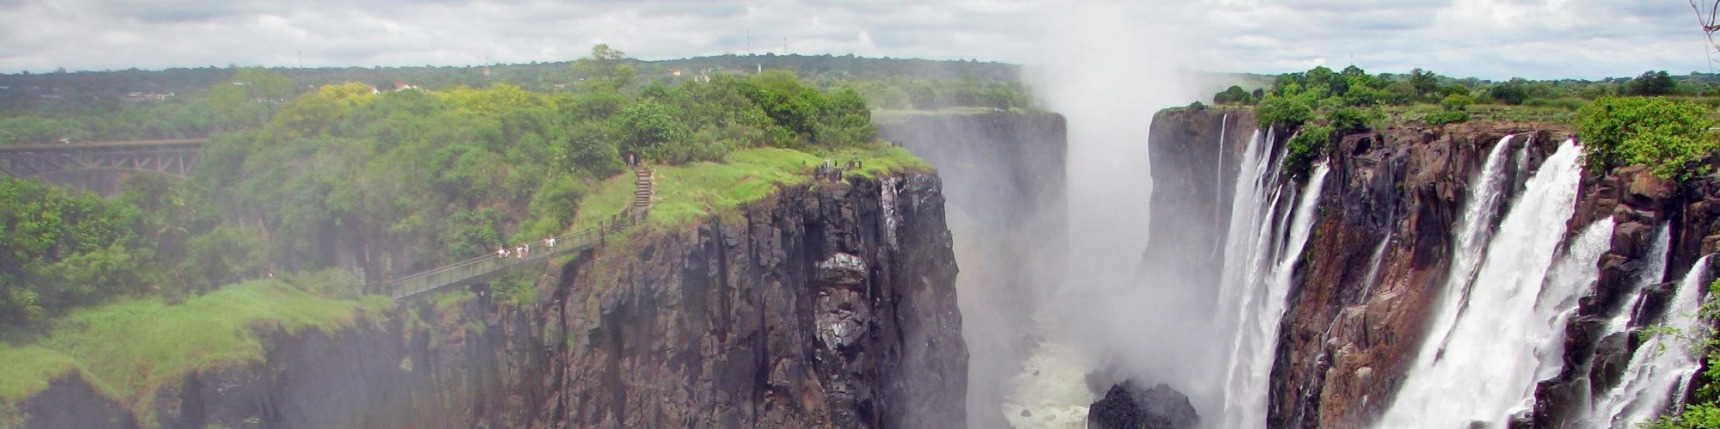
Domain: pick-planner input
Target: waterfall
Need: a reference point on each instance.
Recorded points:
(1489, 357)
(1573, 276)
(1601, 413)
(1471, 236)
(1248, 206)
(1259, 260)
(1218, 185)
(1661, 367)
(1373, 269)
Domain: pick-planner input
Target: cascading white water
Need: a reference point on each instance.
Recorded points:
(1374, 267)
(1471, 236)
(1573, 276)
(1608, 405)
(1259, 289)
(1661, 368)
(1249, 205)
(1218, 183)
(1488, 361)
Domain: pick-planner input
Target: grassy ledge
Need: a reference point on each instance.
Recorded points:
(692, 191)
(131, 349)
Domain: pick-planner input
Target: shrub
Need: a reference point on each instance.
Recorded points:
(1233, 95)
(1283, 112)
(1347, 119)
(1456, 102)
(1670, 137)
(1513, 92)
(1443, 117)
(1305, 147)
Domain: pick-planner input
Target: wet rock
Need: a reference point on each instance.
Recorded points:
(1612, 356)
(1126, 406)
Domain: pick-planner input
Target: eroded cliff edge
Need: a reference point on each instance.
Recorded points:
(826, 304)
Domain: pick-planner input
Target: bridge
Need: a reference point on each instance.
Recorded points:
(488, 267)
(174, 157)
(100, 166)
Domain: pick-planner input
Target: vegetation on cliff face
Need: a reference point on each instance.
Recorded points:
(1702, 411)
(64, 248)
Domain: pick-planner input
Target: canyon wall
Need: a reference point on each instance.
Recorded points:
(1004, 174)
(829, 304)
(1363, 295)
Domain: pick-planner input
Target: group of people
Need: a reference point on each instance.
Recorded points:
(523, 250)
(829, 170)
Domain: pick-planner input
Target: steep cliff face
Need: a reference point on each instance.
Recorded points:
(826, 308)
(1382, 247)
(1595, 360)
(1363, 296)
(825, 305)
(1008, 209)
(1195, 159)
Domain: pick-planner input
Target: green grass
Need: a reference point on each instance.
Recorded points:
(29, 369)
(697, 190)
(130, 349)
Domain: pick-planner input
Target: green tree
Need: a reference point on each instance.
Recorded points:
(1651, 83)
(1424, 82)
(1233, 95)
(1671, 137)
(62, 249)
(1305, 147)
(251, 97)
(1513, 92)
(605, 70)
(649, 130)
(1287, 113)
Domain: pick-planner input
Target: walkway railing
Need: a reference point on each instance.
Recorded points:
(488, 267)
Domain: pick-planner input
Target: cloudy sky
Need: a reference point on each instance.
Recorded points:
(1484, 38)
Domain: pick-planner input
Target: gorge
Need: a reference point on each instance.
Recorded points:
(1465, 275)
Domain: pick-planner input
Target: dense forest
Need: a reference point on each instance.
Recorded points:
(386, 182)
(195, 103)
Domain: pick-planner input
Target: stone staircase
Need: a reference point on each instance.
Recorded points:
(642, 191)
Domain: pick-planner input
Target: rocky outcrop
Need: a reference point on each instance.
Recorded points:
(821, 306)
(1127, 406)
(1640, 203)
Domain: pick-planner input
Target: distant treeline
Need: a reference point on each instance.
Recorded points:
(185, 102)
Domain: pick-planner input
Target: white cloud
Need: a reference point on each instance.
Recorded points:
(1485, 38)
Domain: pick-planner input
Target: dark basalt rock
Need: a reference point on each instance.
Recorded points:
(1128, 407)
(1612, 356)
